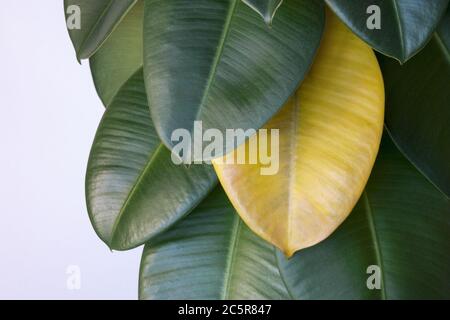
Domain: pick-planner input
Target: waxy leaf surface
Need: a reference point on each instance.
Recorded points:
(329, 134)
(217, 62)
(134, 191)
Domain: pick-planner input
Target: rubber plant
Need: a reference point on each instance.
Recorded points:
(359, 94)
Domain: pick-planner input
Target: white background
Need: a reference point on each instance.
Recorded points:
(49, 114)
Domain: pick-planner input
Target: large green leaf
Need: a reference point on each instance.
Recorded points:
(98, 19)
(120, 56)
(134, 190)
(218, 62)
(265, 8)
(210, 254)
(401, 224)
(406, 25)
(418, 107)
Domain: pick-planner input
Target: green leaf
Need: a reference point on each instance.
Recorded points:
(405, 25)
(216, 61)
(97, 20)
(401, 224)
(265, 8)
(134, 190)
(120, 56)
(210, 254)
(418, 107)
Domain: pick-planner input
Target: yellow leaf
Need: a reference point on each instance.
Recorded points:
(329, 135)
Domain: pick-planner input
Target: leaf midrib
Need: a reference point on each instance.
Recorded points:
(376, 243)
(400, 29)
(231, 257)
(133, 191)
(217, 57)
(282, 276)
(292, 162)
(95, 25)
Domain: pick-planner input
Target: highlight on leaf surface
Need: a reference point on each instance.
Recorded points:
(329, 134)
(133, 189)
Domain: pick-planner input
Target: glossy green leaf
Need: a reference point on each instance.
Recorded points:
(134, 190)
(120, 56)
(401, 224)
(216, 61)
(418, 107)
(265, 8)
(210, 254)
(97, 20)
(405, 25)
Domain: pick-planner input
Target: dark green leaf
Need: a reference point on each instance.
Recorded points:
(216, 61)
(210, 254)
(401, 224)
(406, 25)
(134, 190)
(120, 56)
(265, 8)
(418, 107)
(98, 19)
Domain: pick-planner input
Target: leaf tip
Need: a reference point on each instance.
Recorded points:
(289, 253)
(268, 19)
(267, 13)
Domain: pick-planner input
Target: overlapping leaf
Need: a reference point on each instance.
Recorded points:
(401, 225)
(217, 61)
(120, 56)
(418, 107)
(134, 190)
(405, 25)
(210, 254)
(97, 20)
(329, 134)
